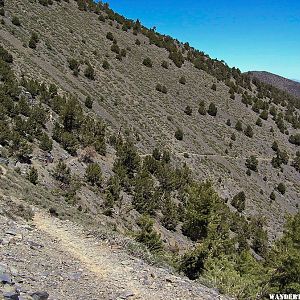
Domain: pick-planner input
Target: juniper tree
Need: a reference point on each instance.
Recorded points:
(212, 109)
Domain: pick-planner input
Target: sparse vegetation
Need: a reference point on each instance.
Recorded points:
(228, 247)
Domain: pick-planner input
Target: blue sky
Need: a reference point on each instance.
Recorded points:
(251, 35)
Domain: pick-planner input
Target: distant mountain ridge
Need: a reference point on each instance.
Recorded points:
(288, 85)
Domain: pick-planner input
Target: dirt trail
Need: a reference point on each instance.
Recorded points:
(217, 155)
(115, 269)
(94, 257)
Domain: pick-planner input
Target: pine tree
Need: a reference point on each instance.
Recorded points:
(179, 134)
(239, 201)
(88, 102)
(202, 109)
(188, 110)
(62, 173)
(239, 126)
(33, 175)
(148, 236)
(212, 109)
(148, 62)
(249, 131)
(170, 216)
(252, 163)
(93, 174)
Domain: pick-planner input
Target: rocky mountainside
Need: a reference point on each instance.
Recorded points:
(140, 139)
(288, 85)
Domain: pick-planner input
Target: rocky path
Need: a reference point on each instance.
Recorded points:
(58, 258)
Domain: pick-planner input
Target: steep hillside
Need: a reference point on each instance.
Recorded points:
(288, 85)
(149, 137)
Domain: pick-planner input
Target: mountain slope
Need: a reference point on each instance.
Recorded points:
(288, 85)
(130, 129)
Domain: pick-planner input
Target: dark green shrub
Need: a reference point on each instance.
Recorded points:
(179, 134)
(280, 158)
(202, 109)
(15, 20)
(62, 173)
(33, 175)
(89, 72)
(106, 65)
(259, 122)
(88, 102)
(233, 137)
(273, 196)
(148, 236)
(74, 66)
(281, 188)
(2, 12)
(212, 110)
(5, 55)
(188, 110)
(295, 139)
(296, 161)
(264, 115)
(93, 174)
(177, 58)
(34, 39)
(137, 42)
(46, 144)
(214, 87)
(249, 131)
(192, 262)
(238, 201)
(110, 36)
(252, 163)
(170, 216)
(182, 80)
(115, 48)
(123, 52)
(101, 17)
(239, 126)
(156, 154)
(161, 88)
(147, 62)
(165, 64)
(275, 146)
(228, 122)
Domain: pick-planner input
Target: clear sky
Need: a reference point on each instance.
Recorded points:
(250, 35)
